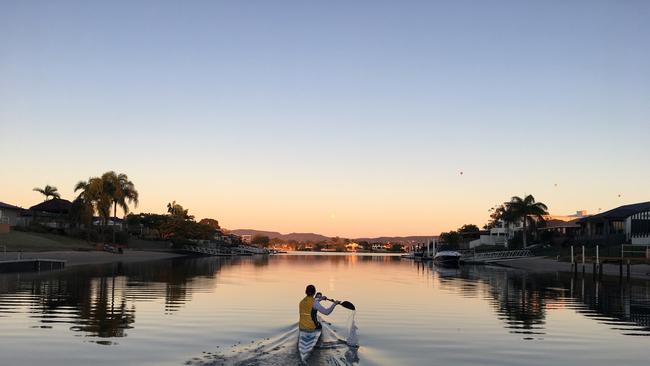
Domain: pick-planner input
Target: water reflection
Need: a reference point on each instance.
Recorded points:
(185, 307)
(521, 300)
(101, 301)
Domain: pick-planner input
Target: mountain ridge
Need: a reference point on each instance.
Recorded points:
(313, 237)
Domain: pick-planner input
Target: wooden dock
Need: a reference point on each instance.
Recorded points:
(30, 265)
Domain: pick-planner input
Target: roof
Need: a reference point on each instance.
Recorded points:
(55, 205)
(10, 207)
(619, 213)
(555, 224)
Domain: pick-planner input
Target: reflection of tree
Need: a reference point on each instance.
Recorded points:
(522, 300)
(105, 318)
(100, 301)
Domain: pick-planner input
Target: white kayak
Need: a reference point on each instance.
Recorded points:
(306, 343)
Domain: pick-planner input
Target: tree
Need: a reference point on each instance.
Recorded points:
(176, 210)
(48, 191)
(526, 210)
(122, 192)
(451, 238)
(94, 193)
(210, 222)
(81, 212)
(468, 228)
(396, 248)
(261, 240)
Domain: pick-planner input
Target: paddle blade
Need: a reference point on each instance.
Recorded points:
(348, 305)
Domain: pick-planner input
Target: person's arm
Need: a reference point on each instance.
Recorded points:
(323, 310)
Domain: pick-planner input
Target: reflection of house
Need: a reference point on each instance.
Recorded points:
(629, 223)
(9, 214)
(51, 213)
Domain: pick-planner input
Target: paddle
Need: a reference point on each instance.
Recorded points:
(346, 304)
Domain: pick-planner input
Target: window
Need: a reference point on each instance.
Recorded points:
(616, 227)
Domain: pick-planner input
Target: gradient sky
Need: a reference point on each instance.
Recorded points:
(350, 118)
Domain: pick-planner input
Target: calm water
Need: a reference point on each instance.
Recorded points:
(214, 311)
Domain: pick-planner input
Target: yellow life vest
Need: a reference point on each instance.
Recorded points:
(306, 322)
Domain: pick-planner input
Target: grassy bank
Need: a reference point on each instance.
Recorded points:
(27, 241)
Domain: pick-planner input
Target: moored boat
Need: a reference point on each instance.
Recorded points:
(447, 258)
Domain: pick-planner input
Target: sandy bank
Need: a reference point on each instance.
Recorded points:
(540, 264)
(75, 258)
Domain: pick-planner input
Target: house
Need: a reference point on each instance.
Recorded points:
(378, 247)
(52, 213)
(9, 214)
(352, 247)
(624, 224)
(566, 225)
(114, 222)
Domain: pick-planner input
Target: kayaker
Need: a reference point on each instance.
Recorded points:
(310, 306)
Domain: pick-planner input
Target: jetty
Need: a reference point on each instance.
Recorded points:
(224, 251)
(472, 257)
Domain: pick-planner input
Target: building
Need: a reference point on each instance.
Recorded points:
(247, 238)
(52, 213)
(624, 224)
(9, 216)
(352, 247)
(564, 225)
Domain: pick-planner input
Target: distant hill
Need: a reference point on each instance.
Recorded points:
(397, 239)
(274, 234)
(270, 234)
(302, 237)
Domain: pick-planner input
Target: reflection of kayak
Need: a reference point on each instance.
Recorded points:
(306, 342)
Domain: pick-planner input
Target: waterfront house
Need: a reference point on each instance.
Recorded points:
(352, 247)
(564, 226)
(114, 222)
(52, 213)
(624, 224)
(9, 216)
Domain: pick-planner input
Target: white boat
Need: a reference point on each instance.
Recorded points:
(306, 342)
(447, 258)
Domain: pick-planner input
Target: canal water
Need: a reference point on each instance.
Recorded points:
(214, 311)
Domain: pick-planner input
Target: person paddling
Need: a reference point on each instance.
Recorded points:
(310, 306)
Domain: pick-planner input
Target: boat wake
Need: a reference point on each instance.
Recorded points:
(282, 349)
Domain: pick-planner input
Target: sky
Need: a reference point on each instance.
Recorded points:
(349, 118)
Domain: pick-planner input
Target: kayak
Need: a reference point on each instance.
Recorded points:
(306, 342)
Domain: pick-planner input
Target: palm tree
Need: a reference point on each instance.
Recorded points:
(95, 194)
(106, 192)
(122, 192)
(527, 210)
(48, 191)
(176, 210)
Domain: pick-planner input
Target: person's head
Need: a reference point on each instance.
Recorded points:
(310, 290)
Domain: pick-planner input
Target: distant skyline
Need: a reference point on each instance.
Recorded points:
(341, 118)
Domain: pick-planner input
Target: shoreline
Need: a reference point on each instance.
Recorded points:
(79, 258)
(546, 265)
